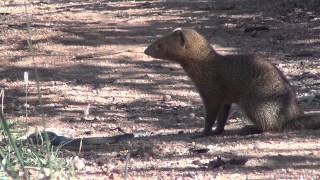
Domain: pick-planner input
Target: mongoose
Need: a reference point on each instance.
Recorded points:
(257, 86)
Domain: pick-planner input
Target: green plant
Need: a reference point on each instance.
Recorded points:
(19, 158)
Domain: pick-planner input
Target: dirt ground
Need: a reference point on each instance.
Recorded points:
(89, 56)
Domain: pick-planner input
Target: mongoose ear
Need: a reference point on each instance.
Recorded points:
(180, 36)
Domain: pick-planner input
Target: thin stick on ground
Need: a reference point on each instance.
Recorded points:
(126, 166)
(2, 100)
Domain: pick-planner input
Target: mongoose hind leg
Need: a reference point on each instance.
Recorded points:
(265, 115)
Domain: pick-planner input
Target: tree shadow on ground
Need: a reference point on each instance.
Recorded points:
(163, 115)
(224, 25)
(208, 17)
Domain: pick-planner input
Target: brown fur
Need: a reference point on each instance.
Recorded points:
(260, 89)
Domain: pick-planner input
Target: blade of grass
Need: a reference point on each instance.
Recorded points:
(13, 144)
(26, 81)
(2, 100)
(10, 172)
(30, 45)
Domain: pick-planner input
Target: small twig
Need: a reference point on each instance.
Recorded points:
(80, 147)
(26, 81)
(2, 100)
(126, 166)
(86, 111)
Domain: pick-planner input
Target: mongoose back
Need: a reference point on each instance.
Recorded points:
(257, 86)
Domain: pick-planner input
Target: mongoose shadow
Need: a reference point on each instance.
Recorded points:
(257, 86)
(114, 143)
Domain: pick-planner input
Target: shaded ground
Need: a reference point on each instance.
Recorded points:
(90, 54)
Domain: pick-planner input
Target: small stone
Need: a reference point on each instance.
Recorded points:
(88, 118)
(166, 98)
(198, 150)
(192, 115)
(111, 176)
(88, 131)
(116, 171)
(211, 147)
(197, 162)
(100, 162)
(79, 163)
(47, 172)
(77, 119)
(113, 107)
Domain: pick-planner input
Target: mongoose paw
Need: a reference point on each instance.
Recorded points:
(213, 133)
(216, 132)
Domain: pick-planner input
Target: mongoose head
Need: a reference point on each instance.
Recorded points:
(180, 45)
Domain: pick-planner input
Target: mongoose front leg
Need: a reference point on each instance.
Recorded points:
(211, 115)
(222, 119)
